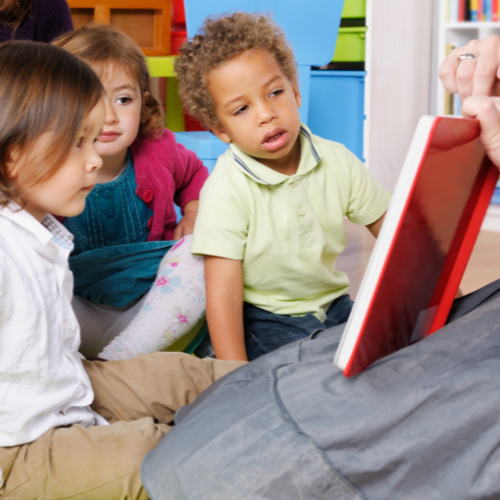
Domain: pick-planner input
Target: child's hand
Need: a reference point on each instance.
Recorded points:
(186, 224)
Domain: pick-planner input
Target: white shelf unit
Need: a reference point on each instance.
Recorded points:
(461, 33)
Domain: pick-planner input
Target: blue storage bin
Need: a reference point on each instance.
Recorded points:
(204, 144)
(336, 107)
(206, 147)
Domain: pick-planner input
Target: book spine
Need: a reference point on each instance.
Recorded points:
(461, 10)
(449, 98)
(487, 10)
(457, 105)
(480, 10)
(473, 10)
(494, 10)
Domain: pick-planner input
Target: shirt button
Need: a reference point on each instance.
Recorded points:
(148, 195)
(302, 211)
(110, 214)
(112, 236)
(294, 184)
(108, 195)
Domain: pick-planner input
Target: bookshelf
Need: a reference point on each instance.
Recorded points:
(459, 33)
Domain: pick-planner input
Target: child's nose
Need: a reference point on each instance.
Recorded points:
(111, 116)
(94, 163)
(266, 112)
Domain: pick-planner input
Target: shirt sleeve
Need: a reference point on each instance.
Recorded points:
(221, 226)
(368, 200)
(54, 20)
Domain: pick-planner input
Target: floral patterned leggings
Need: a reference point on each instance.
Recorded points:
(173, 306)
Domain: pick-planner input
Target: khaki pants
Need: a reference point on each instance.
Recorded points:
(139, 398)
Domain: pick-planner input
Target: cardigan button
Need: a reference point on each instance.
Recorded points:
(150, 222)
(148, 195)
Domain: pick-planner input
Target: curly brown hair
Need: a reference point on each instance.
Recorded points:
(99, 46)
(220, 40)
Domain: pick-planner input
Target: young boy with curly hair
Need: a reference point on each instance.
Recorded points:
(271, 218)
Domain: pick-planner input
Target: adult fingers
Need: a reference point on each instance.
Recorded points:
(487, 68)
(487, 111)
(469, 77)
(448, 69)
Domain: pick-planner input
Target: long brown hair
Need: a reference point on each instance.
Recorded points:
(15, 11)
(101, 46)
(43, 90)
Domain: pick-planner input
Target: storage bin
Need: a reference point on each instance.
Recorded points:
(204, 144)
(336, 107)
(350, 45)
(354, 9)
(206, 147)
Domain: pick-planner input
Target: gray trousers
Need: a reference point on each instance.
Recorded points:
(422, 423)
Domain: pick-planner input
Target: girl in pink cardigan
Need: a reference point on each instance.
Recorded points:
(137, 288)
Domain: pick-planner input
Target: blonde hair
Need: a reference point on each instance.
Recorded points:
(100, 46)
(220, 40)
(42, 89)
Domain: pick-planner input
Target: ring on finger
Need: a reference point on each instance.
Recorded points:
(462, 57)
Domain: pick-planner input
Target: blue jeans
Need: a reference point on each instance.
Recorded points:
(265, 332)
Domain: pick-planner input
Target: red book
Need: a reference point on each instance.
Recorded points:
(494, 10)
(461, 10)
(423, 248)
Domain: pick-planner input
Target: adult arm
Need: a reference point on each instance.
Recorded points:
(224, 287)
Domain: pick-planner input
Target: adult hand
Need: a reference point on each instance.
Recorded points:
(186, 224)
(473, 77)
(475, 81)
(487, 111)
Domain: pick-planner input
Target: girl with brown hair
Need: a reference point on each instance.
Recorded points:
(138, 288)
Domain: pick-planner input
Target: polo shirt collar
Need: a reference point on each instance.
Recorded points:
(309, 159)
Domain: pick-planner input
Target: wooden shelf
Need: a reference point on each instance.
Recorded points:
(145, 21)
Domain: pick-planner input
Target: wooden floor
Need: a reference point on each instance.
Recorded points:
(483, 268)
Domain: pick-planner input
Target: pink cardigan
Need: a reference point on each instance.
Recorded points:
(166, 172)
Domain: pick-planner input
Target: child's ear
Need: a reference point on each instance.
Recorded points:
(298, 97)
(145, 98)
(12, 162)
(220, 133)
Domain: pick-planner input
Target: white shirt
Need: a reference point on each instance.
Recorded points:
(42, 380)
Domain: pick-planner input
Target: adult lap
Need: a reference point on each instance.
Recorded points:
(421, 423)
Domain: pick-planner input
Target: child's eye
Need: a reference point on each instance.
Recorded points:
(124, 100)
(240, 110)
(79, 142)
(277, 92)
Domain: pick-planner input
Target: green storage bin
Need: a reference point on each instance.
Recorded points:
(350, 45)
(353, 9)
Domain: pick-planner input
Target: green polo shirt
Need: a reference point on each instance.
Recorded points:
(287, 230)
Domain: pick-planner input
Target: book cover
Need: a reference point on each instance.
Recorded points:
(437, 209)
